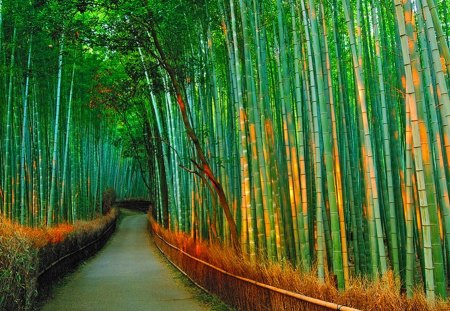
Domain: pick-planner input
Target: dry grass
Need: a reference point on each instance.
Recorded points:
(363, 294)
(96, 225)
(24, 252)
(39, 237)
(17, 269)
(43, 236)
(109, 197)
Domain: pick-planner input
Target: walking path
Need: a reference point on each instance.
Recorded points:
(126, 274)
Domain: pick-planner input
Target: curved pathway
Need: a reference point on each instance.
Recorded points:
(126, 274)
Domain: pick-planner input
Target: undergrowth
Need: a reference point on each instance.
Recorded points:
(25, 252)
(213, 302)
(17, 269)
(361, 293)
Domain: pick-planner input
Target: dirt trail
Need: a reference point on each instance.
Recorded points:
(126, 274)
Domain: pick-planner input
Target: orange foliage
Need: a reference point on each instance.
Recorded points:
(39, 237)
(42, 236)
(361, 293)
(180, 102)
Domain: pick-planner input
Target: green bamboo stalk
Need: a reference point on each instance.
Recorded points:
(378, 247)
(386, 143)
(409, 211)
(255, 137)
(23, 202)
(328, 153)
(428, 166)
(7, 205)
(64, 211)
(441, 84)
(52, 199)
(336, 154)
(435, 136)
(417, 154)
(245, 179)
(303, 209)
(441, 37)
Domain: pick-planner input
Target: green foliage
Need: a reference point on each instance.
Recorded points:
(68, 159)
(302, 109)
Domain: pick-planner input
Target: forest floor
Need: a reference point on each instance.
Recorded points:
(127, 274)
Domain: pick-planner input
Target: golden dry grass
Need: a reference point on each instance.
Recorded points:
(363, 294)
(17, 269)
(24, 251)
(42, 236)
(39, 237)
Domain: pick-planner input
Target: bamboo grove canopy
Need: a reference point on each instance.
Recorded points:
(57, 153)
(310, 131)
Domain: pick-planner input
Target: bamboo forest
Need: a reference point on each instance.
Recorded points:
(307, 133)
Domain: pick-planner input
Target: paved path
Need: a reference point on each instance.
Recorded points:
(126, 274)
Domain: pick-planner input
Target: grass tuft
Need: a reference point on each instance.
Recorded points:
(25, 252)
(362, 293)
(17, 268)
